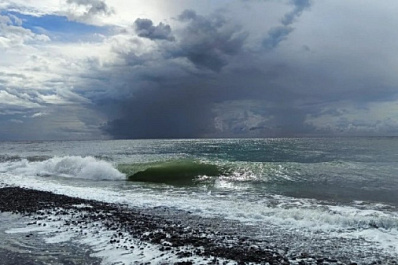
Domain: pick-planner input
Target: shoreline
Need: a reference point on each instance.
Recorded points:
(141, 225)
(181, 233)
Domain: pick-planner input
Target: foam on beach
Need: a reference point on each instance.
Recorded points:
(124, 248)
(115, 235)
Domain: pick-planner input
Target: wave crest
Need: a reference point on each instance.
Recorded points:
(72, 167)
(176, 171)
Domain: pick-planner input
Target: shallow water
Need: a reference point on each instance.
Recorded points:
(25, 244)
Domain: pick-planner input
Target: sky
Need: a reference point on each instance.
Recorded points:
(128, 69)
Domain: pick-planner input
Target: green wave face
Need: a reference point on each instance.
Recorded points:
(172, 172)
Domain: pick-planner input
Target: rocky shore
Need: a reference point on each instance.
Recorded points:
(173, 231)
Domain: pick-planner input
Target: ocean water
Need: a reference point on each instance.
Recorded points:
(335, 197)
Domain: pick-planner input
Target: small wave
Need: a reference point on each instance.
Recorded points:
(174, 172)
(68, 167)
(13, 158)
(37, 158)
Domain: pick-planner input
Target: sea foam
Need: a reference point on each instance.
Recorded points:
(67, 166)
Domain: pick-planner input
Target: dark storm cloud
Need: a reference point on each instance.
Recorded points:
(171, 101)
(208, 42)
(209, 83)
(276, 35)
(177, 104)
(279, 33)
(170, 111)
(299, 7)
(146, 29)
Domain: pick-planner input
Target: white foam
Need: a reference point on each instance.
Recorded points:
(67, 166)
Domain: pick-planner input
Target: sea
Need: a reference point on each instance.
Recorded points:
(330, 197)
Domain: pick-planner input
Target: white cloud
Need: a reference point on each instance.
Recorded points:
(39, 114)
(348, 118)
(9, 100)
(43, 83)
(12, 34)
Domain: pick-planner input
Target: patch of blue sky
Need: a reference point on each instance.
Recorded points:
(59, 28)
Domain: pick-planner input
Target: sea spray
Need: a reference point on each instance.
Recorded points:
(68, 167)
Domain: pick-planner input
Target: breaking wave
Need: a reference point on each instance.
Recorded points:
(67, 166)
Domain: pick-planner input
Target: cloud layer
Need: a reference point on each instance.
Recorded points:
(242, 69)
